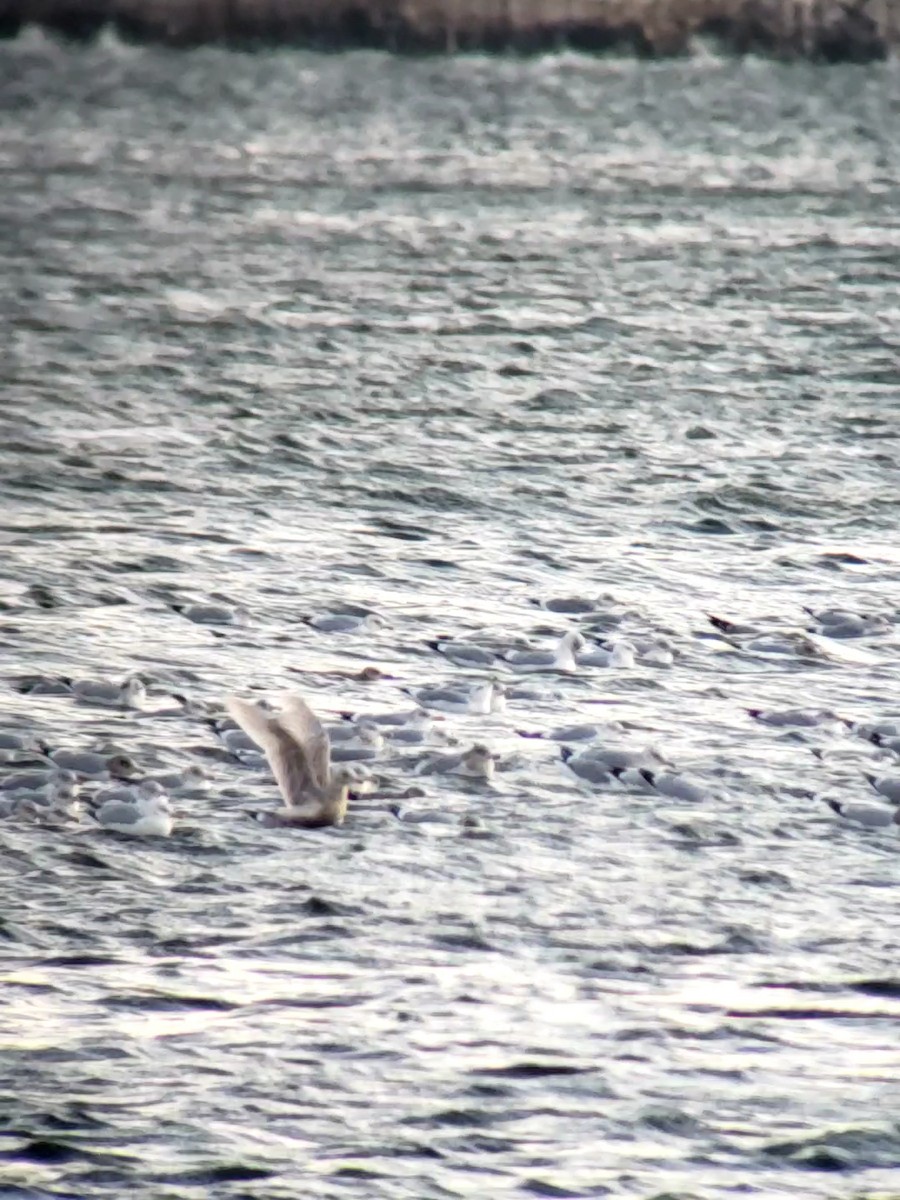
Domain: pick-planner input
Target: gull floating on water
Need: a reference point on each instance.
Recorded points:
(357, 732)
(863, 812)
(619, 654)
(365, 746)
(209, 614)
(800, 718)
(565, 733)
(94, 766)
(887, 786)
(464, 654)
(346, 622)
(562, 658)
(148, 814)
(667, 783)
(481, 699)
(131, 693)
(839, 623)
(477, 762)
(299, 753)
(34, 780)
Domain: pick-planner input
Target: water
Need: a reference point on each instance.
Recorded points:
(439, 339)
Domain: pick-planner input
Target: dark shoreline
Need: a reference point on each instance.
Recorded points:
(816, 30)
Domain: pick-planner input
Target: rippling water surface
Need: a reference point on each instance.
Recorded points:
(440, 339)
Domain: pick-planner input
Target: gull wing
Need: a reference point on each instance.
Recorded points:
(285, 751)
(118, 813)
(299, 721)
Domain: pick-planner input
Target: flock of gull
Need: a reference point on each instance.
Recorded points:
(322, 768)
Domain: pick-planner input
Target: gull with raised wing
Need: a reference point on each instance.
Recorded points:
(299, 753)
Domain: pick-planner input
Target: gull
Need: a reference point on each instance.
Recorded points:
(354, 734)
(16, 743)
(59, 798)
(621, 757)
(862, 812)
(192, 779)
(562, 658)
(93, 766)
(209, 614)
(591, 770)
(617, 654)
(887, 786)
(127, 793)
(366, 745)
(800, 718)
(565, 733)
(479, 699)
(45, 685)
(573, 606)
(146, 815)
(667, 783)
(298, 751)
(882, 742)
(346, 622)
(415, 731)
(839, 623)
(477, 762)
(131, 693)
(32, 781)
(463, 654)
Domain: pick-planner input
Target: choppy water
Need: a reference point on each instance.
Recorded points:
(439, 339)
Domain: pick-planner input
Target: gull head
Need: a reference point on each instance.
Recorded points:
(622, 654)
(370, 674)
(156, 804)
(498, 696)
(344, 777)
(133, 691)
(149, 789)
(374, 622)
(120, 766)
(479, 761)
(368, 734)
(572, 641)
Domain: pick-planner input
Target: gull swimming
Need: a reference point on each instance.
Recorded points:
(667, 783)
(464, 654)
(800, 718)
(193, 778)
(209, 614)
(562, 658)
(93, 766)
(147, 815)
(131, 693)
(887, 786)
(863, 812)
(346, 622)
(565, 733)
(620, 654)
(32, 781)
(354, 734)
(365, 746)
(479, 699)
(299, 753)
(573, 606)
(591, 770)
(418, 729)
(839, 623)
(58, 798)
(477, 762)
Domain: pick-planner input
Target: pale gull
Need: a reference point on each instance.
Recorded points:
(298, 751)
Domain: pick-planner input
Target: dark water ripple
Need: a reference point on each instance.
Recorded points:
(439, 339)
